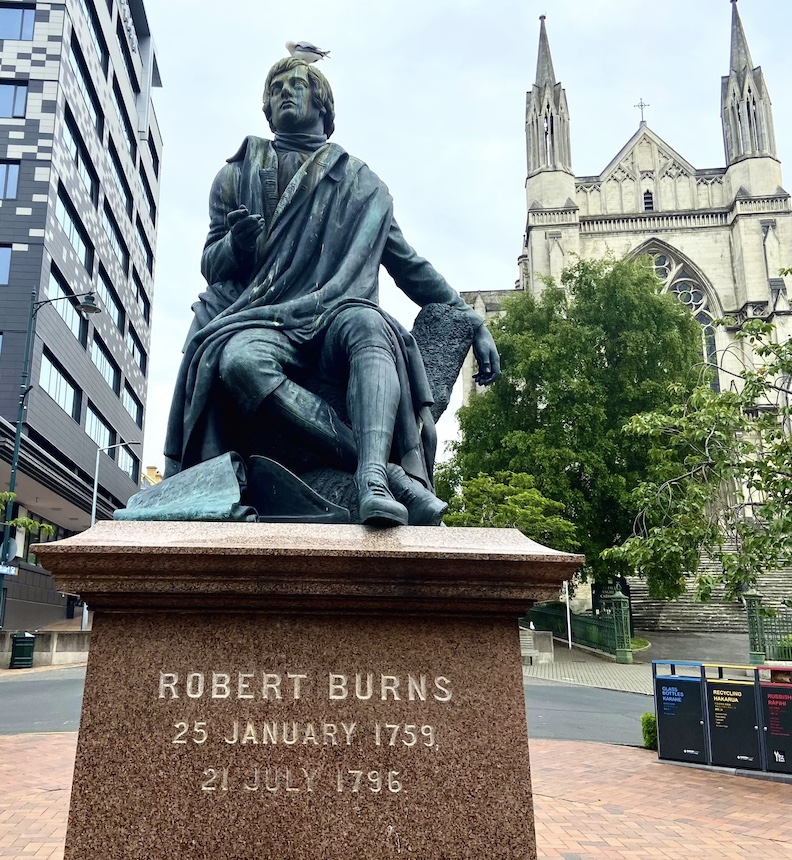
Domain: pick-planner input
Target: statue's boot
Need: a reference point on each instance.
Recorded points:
(317, 421)
(372, 401)
(423, 506)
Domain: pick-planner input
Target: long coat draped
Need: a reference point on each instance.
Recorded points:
(320, 252)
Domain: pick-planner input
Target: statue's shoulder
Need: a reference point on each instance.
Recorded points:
(353, 165)
(251, 144)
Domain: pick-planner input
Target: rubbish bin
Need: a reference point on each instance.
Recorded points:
(22, 650)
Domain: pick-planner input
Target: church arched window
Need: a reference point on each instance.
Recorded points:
(679, 280)
(648, 201)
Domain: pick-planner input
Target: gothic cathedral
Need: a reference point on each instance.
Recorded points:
(718, 236)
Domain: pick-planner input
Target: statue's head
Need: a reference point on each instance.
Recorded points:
(321, 96)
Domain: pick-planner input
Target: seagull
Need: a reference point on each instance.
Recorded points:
(306, 51)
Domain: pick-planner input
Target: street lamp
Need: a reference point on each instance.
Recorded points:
(84, 622)
(86, 306)
(96, 473)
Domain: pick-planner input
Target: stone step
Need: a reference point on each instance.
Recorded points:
(717, 616)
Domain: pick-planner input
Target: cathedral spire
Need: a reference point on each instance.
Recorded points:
(544, 62)
(547, 115)
(746, 110)
(740, 55)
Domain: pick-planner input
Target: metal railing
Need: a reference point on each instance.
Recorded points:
(608, 632)
(770, 635)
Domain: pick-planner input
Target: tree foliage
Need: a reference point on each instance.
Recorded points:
(578, 362)
(732, 496)
(31, 525)
(505, 500)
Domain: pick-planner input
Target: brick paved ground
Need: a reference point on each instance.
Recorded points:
(593, 802)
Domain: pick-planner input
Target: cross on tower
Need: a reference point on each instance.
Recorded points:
(641, 104)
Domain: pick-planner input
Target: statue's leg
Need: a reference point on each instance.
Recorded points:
(254, 367)
(317, 421)
(373, 393)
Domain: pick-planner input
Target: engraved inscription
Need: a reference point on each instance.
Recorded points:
(267, 696)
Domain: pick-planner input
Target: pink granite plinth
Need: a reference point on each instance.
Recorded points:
(299, 692)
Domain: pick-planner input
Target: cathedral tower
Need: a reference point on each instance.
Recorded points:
(747, 117)
(552, 225)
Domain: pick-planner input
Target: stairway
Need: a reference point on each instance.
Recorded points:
(686, 614)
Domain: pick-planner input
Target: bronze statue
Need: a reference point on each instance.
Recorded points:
(298, 231)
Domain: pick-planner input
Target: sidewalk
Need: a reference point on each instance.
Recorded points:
(588, 670)
(592, 801)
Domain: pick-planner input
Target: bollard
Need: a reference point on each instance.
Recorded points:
(621, 622)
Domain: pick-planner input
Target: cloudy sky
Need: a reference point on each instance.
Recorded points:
(431, 94)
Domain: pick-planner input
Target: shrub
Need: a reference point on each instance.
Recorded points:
(649, 729)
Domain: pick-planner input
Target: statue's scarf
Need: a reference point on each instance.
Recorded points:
(293, 151)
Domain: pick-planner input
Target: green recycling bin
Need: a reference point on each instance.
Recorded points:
(22, 650)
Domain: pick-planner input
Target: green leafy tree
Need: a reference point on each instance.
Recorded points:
(505, 500)
(578, 362)
(27, 523)
(732, 496)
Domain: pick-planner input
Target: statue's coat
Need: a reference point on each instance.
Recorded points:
(320, 252)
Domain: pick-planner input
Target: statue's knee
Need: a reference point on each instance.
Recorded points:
(366, 328)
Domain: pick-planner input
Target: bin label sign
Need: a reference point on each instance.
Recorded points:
(733, 724)
(777, 720)
(680, 733)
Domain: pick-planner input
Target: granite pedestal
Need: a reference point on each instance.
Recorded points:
(296, 692)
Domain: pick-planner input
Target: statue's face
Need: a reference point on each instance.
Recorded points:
(292, 104)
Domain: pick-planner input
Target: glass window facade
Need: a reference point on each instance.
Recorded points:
(59, 387)
(5, 265)
(114, 237)
(117, 176)
(17, 22)
(110, 300)
(105, 364)
(66, 305)
(142, 299)
(129, 463)
(80, 158)
(97, 39)
(146, 189)
(9, 179)
(74, 232)
(132, 405)
(126, 125)
(84, 85)
(13, 100)
(154, 155)
(136, 348)
(98, 429)
(143, 244)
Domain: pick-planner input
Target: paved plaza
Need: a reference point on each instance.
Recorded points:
(593, 801)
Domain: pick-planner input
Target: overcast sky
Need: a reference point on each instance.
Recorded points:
(431, 94)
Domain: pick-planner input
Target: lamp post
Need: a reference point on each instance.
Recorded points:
(86, 306)
(106, 448)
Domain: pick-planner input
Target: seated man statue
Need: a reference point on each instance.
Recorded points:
(297, 234)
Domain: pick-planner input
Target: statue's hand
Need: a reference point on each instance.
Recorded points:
(245, 229)
(487, 357)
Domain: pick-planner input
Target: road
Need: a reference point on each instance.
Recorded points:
(49, 701)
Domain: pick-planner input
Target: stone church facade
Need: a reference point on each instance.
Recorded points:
(718, 236)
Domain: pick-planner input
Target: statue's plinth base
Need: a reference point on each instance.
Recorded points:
(302, 691)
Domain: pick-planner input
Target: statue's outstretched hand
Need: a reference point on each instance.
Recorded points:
(487, 357)
(245, 228)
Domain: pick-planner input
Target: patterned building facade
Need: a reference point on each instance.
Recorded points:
(718, 236)
(80, 157)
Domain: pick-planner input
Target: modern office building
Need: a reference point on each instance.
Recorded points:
(718, 235)
(80, 155)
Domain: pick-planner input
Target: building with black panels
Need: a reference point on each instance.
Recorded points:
(80, 154)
